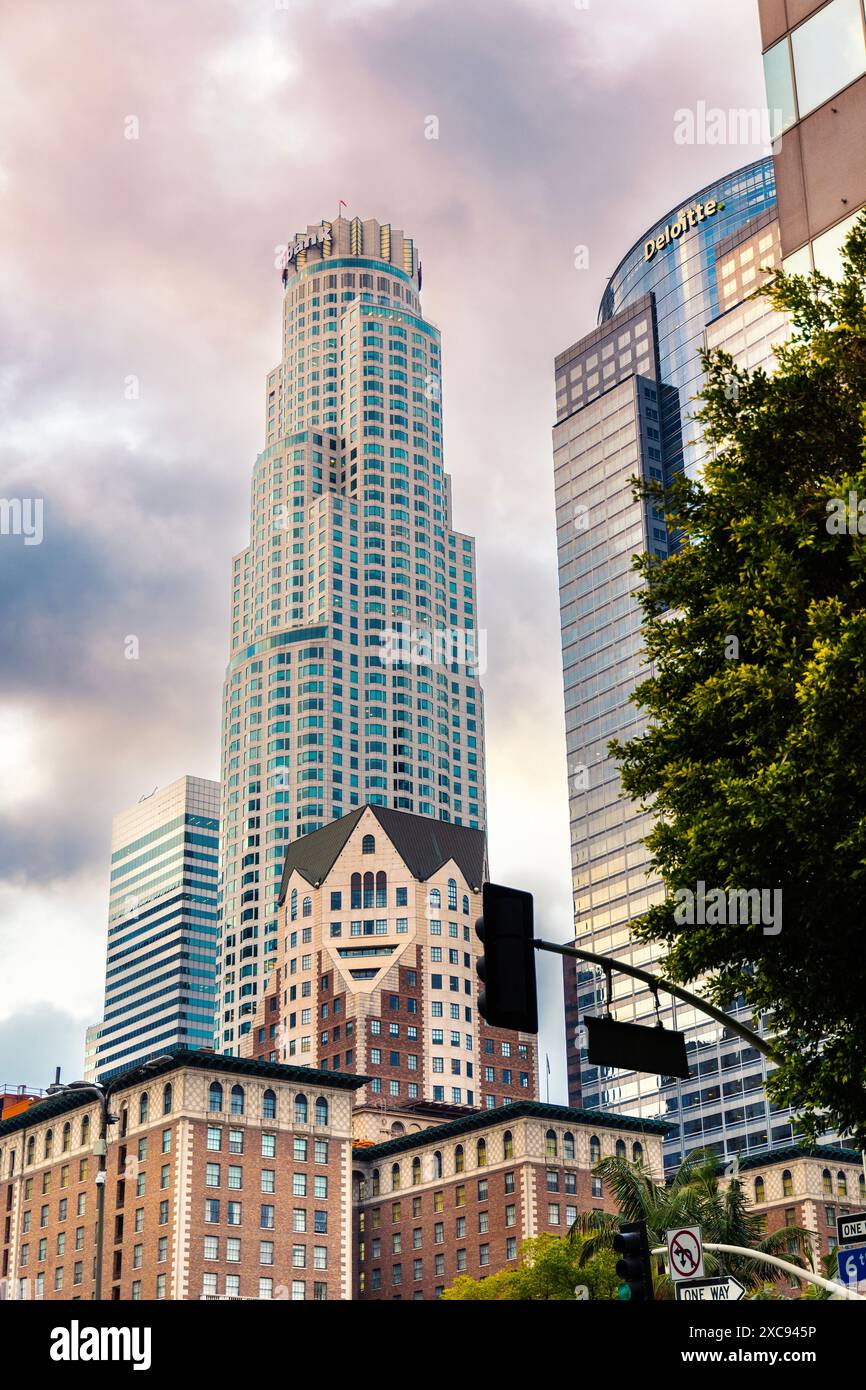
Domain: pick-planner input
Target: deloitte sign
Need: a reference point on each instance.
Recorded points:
(683, 225)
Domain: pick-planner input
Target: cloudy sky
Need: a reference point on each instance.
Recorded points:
(144, 268)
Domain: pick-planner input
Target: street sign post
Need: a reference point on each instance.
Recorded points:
(850, 1229)
(725, 1289)
(685, 1253)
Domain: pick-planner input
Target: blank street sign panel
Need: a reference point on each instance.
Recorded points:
(656, 1051)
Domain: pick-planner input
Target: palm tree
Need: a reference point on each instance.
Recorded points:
(691, 1198)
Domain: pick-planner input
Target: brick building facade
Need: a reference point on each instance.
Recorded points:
(225, 1178)
(459, 1198)
(809, 1188)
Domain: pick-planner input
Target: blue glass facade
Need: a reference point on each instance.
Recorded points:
(682, 280)
(160, 978)
(624, 393)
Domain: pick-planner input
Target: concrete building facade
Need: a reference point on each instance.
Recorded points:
(815, 72)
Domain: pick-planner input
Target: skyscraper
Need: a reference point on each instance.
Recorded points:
(162, 927)
(623, 399)
(353, 673)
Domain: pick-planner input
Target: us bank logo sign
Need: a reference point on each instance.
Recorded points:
(685, 223)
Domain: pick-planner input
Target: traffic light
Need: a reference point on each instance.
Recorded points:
(507, 970)
(635, 1267)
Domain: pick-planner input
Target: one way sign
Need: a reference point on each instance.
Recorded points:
(726, 1289)
(851, 1229)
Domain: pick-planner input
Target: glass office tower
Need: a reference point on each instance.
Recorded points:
(353, 673)
(162, 928)
(624, 398)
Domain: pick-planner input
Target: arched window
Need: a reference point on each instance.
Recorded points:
(307, 907)
(269, 1105)
(620, 1150)
(452, 894)
(237, 1099)
(760, 1190)
(395, 1177)
(437, 1164)
(293, 904)
(66, 1142)
(827, 1182)
(508, 1144)
(861, 1182)
(637, 1153)
(381, 889)
(551, 1148)
(368, 844)
(85, 1131)
(300, 1109)
(842, 1185)
(369, 889)
(787, 1184)
(124, 1120)
(167, 1098)
(49, 1144)
(481, 1153)
(416, 1172)
(143, 1108)
(434, 898)
(374, 1182)
(321, 1112)
(594, 1150)
(465, 904)
(356, 890)
(31, 1149)
(397, 1129)
(568, 1145)
(459, 1159)
(215, 1096)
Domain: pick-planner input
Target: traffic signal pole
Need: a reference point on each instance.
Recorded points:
(656, 983)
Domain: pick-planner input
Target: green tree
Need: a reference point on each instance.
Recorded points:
(693, 1197)
(550, 1268)
(754, 753)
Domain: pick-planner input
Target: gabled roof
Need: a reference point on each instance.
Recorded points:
(423, 843)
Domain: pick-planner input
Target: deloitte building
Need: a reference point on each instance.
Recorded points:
(623, 400)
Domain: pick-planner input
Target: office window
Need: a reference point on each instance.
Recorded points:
(829, 52)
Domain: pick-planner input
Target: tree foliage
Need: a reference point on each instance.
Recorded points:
(754, 755)
(693, 1197)
(550, 1268)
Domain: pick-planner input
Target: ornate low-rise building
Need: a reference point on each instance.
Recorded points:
(460, 1198)
(225, 1178)
(376, 971)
